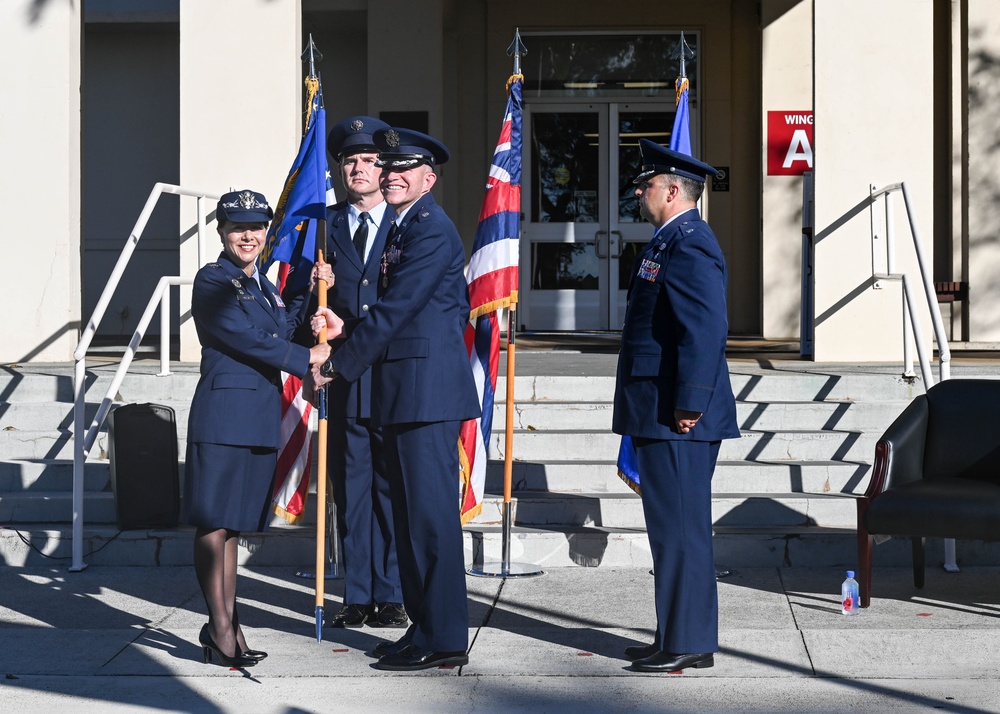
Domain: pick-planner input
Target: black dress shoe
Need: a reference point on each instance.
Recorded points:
(641, 651)
(353, 616)
(393, 648)
(667, 662)
(414, 658)
(391, 614)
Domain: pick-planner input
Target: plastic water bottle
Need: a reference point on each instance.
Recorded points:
(849, 595)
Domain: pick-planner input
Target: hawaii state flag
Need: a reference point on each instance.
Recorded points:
(291, 239)
(680, 140)
(492, 276)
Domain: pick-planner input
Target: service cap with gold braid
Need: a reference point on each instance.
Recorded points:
(658, 159)
(402, 149)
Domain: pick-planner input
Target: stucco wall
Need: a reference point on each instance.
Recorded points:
(873, 125)
(40, 178)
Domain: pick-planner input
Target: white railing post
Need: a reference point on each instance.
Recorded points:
(79, 459)
(164, 334)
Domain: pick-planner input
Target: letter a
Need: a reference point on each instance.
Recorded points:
(799, 149)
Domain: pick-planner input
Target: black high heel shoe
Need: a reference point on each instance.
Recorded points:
(208, 647)
(255, 655)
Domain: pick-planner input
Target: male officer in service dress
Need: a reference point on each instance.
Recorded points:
(423, 391)
(357, 230)
(674, 398)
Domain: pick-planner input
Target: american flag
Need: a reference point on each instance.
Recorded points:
(291, 240)
(492, 276)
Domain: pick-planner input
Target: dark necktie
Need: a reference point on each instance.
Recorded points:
(361, 236)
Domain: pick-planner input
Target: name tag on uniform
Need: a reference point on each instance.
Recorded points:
(648, 269)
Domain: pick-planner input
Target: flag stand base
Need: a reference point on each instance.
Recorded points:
(505, 569)
(332, 573)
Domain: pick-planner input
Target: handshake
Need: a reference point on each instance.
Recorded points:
(321, 371)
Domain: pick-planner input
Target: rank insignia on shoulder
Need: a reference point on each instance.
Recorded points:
(648, 270)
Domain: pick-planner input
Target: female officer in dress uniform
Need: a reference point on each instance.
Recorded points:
(233, 430)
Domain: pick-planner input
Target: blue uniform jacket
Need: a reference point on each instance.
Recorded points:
(674, 338)
(244, 348)
(414, 333)
(355, 290)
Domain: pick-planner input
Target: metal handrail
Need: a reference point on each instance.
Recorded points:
(84, 435)
(944, 351)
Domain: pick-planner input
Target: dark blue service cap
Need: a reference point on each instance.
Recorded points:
(353, 136)
(243, 206)
(402, 149)
(657, 159)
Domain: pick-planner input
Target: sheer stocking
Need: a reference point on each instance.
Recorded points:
(215, 565)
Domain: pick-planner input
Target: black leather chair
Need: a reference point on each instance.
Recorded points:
(936, 474)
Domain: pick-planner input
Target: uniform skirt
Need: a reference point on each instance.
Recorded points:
(228, 486)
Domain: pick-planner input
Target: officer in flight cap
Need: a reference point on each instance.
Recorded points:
(673, 398)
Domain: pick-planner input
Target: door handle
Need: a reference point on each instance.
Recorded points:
(620, 244)
(597, 243)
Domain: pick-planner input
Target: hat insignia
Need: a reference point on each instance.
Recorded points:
(246, 200)
(392, 138)
(357, 125)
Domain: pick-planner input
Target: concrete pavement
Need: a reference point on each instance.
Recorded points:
(121, 639)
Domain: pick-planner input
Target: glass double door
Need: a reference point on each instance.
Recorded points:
(581, 228)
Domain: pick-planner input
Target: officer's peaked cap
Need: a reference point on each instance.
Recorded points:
(353, 136)
(658, 159)
(402, 149)
(243, 206)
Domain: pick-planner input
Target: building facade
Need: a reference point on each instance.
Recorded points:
(801, 102)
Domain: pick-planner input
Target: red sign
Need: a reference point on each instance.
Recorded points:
(789, 143)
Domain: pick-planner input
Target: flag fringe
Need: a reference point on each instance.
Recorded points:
(513, 78)
(290, 518)
(493, 306)
(471, 514)
(630, 483)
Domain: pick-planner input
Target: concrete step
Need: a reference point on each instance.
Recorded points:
(599, 445)
(55, 507)
(624, 510)
(757, 416)
(561, 476)
(730, 476)
(793, 383)
(294, 547)
(51, 475)
(58, 416)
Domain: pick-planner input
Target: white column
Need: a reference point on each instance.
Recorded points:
(873, 125)
(241, 111)
(40, 180)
